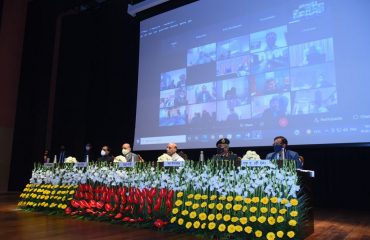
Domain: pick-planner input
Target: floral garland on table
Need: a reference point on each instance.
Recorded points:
(251, 155)
(120, 158)
(164, 158)
(71, 160)
(213, 198)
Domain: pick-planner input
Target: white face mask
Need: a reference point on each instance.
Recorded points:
(125, 151)
(102, 153)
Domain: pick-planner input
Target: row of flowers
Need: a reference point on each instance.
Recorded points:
(214, 199)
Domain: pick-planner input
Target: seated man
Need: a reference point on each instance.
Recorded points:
(105, 155)
(223, 152)
(126, 152)
(172, 152)
(280, 152)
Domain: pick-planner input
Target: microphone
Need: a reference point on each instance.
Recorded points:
(282, 154)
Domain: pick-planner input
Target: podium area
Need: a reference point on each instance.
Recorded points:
(329, 224)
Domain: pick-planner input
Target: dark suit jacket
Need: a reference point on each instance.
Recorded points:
(289, 155)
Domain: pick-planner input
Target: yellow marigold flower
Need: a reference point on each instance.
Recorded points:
(270, 236)
(247, 200)
(231, 228)
(203, 226)
(229, 198)
(197, 196)
(204, 197)
(248, 229)
(70, 192)
(292, 223)
(213, 197)
(188, 203)
(280, 219)
(237, 207)
(173, 219)
(211, 206)
(294, 202)
(253, 209)
(243, 220)
(293, 213)
(203, 205)
(195, 206)
(211, 217)
(252, 218)
(255, 199)
(180, 221)
(53, 192)
(282, 211)
(238, 228)
(60, 205)
(263, 209)
(227, 217)
(238, 198)
(221, 227)
(202, 216)
(190, 196)
(188, 225)
(193, 215)
(219, 206)
(221, 198)
(228, 206)
(280, 234)
(245, 208)
(211, 225)
(196, 224)
(262, 219)
(184, 212)
(274, 199)
(273, 210)
(42, 197)
(175, 210)
(179, 194)
(46, 204)
(265, 200)
(271, 220)
(178, 203)
(284, 201)
(258, 233)
(218, 216)
(234, 219)
(290, 234)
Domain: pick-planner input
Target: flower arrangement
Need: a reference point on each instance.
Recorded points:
(120, 158)
(251, 155)
(164, 157)
(49, 198)
(214, 198)
(70, 160)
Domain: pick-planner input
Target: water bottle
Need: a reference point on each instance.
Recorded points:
(87, 158)
(201, 157)
(55, 159)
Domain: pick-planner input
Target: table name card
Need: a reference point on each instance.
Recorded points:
(126, 164)
(81, 164)
(173, 163)
(49, 164)
(255, 163)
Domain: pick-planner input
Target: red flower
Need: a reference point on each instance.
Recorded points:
(68, 210)
(99, 205)
(108, 207)
(119, 215)
(75, 203)
(159, 223)
(126, 219)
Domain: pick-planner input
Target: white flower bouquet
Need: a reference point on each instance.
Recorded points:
(251, 155)
(70, 160)
(164, 157)
(120, 158)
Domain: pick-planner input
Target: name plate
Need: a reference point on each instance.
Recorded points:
(49, 164)
(126, 164)
(81, 164)
(255, 163)
(173, 163)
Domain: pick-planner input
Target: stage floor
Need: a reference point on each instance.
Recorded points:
(14, 224)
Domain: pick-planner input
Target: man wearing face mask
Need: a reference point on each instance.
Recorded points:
(223, 152)
(281, 153)
(105, 155)
(126, 152)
